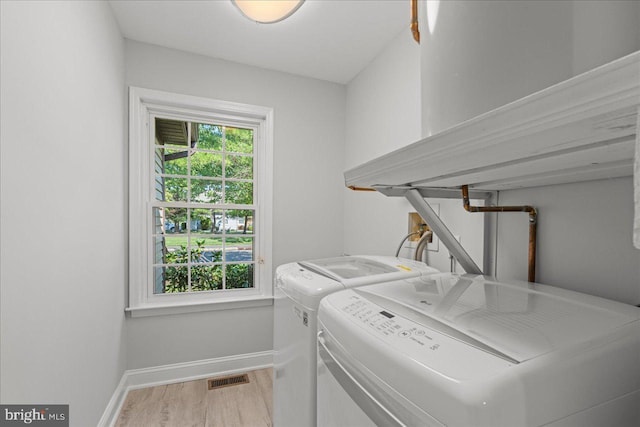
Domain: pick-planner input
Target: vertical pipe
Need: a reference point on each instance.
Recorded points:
(414, 21)
(533, 232)
(490, 239)
(533, 222)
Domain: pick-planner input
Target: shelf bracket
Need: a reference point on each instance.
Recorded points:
(440, 229)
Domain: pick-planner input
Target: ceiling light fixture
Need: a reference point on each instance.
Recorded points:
(267, 11)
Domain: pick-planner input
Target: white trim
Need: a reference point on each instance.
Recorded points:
(146, 103)
(190, 371)
(195, 307)
(111, 412)
(180, 372)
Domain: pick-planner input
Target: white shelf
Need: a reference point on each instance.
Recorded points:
(579, 130)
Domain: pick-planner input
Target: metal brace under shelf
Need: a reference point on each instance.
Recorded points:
(416, 196)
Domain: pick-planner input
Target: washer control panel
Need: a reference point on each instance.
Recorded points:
(388, 324)
(424, 344)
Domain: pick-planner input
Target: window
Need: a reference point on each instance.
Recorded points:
(200, 203)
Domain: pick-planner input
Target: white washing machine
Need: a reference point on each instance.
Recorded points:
(299, 289)
(468, 351)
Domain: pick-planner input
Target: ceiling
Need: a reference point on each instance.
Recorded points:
(326, 39)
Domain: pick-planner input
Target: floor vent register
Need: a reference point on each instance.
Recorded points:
(221, 382)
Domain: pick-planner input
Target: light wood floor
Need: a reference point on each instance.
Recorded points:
(191, 404)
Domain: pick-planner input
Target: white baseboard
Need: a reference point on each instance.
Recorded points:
(110, 415)
(180, 372)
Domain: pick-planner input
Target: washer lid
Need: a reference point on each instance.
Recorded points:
(360, 270)
(514, 320)
(307, 282)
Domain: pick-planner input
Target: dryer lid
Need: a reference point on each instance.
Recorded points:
(518, 320)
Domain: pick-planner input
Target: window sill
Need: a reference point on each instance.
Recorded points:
(195, 307)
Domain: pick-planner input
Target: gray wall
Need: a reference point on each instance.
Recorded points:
(383, 113)
(480, 55)
(584, 238)
(63, 206)
(308, 213)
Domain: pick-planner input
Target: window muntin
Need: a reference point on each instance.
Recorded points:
(203, 208)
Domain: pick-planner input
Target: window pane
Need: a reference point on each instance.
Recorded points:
(206, 249)
(206, 191)
(210, 137)
(159, 250)
(171, 132)
(175, 190)
(246, 221)
(239, 140)
(175, 220)
(158, 280)
(159, 191)
(210, 254)
(171, 279)
(159, 160)
(218, 221)
(196, 249)
(239, 167)
(239, 276)
(175, 161)
(168, 239)
(222, 222)
(202, 220)
(176, 251)
(240, 221)
(206, 164)
(206, 277)
(236, 220)
(239, 249)
(239, 192)
(157, 219)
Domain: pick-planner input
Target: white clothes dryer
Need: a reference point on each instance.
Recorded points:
(462, 350)
(299, 288)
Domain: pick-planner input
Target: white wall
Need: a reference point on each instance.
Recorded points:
(479, 55)
(384, 113)
(584, 238)
(482, 54)
(308, 206)
(63, 206)
(604, 31)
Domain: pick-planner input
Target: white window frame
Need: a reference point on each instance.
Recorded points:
(144, 106)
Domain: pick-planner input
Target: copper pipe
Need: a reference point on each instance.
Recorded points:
(533, 222)
(414, 21)
(354, 188)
